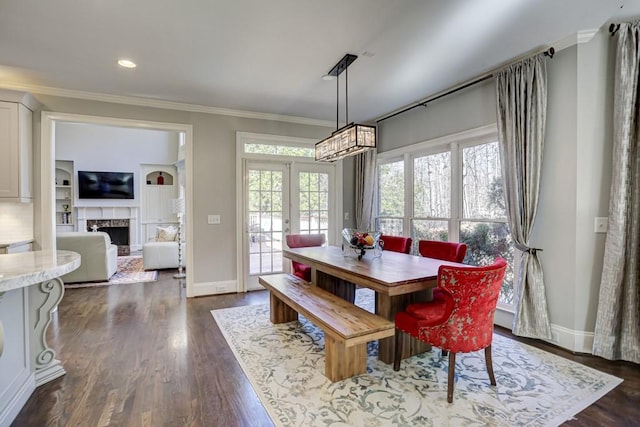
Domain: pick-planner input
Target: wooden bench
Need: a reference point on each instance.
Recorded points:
(347, 328)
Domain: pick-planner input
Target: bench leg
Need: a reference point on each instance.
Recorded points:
(281, 312)
(342, 362)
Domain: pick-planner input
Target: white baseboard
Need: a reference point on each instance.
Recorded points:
(214, 288)
(575, 341)
(16, 401)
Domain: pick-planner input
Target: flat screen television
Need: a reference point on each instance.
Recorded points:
(105, 185)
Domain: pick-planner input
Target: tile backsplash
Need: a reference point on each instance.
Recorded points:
(16, 221)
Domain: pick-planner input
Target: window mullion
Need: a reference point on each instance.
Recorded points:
(408, 195)
(456, 192)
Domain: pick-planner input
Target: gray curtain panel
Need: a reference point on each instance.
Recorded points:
(617, 332)
(366, 174)
(521, 91)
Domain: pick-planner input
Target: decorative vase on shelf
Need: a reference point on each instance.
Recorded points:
(160, 179)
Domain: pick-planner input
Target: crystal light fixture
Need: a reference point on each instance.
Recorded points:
(351, 139)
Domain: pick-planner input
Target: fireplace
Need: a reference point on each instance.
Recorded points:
(117, 229)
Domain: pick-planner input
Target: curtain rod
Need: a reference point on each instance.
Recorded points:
(486, 76)
(613, 29)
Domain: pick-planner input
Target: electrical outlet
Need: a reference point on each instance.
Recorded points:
(346, 216)
(600, 224)
(213, 219)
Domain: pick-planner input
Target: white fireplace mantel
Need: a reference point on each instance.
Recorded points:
(113, 212)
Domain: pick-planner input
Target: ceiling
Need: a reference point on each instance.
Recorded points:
(269, 56)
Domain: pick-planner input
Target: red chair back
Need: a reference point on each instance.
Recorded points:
(474, 291)
(303, 241)
(396, 243)
(447, 251)
(460, 317)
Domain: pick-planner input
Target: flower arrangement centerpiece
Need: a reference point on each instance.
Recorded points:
(361, 241)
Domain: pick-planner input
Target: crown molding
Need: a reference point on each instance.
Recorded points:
(167, 105)
(583, 36)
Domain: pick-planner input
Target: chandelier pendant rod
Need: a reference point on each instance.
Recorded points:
(346, 95)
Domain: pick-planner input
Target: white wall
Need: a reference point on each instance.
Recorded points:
(16, 222)
(575, 176)
(113, 149)
(468, 109)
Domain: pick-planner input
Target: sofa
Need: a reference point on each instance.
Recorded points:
(99, 257)
(162, 250)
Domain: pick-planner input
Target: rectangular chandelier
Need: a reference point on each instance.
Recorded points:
(348, 141)
(353, 138)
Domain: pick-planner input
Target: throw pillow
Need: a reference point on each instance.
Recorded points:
(166, 234)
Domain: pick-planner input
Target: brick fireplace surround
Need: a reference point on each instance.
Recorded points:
(116, 218)
(117, 229)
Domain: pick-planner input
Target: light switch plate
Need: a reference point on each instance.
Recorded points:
(600, 224)
(213, 219)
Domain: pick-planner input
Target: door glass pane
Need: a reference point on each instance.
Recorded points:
(486, 241)
(314, 202)
(265, 221)
(391, 189)
(432, 185)
(482, 182)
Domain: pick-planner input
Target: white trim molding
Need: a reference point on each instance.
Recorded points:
(572, 340)
(157, 103)
(213, 288)
(584, 36)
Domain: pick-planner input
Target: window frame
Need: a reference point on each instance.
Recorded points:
(455, 144)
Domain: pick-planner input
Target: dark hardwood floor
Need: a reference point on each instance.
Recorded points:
(144, 355)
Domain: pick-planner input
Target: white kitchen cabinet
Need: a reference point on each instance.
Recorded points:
(17, 381)
(16, 163)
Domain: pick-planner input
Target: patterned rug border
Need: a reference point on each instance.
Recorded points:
(280, 418)
(129, 278)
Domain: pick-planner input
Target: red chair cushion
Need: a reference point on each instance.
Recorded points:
(432, 312)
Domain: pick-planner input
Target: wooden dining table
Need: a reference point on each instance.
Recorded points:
(397, 279)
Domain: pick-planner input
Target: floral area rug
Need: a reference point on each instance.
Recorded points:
(130, 270)
(285, 365)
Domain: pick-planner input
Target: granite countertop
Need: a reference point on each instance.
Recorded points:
(15, 243)
(27, 268)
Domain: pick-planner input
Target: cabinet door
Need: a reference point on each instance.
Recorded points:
(157, 206)
(15, 146)
(9, 147)
(152, 211)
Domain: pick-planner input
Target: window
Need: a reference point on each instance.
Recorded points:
(279, 150)
(391, 198)
(431, 197)
(483, 225)
(455, 194)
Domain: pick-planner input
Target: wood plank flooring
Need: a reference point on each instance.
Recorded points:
(144, 355)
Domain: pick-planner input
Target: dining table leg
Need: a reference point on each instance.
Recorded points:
(387, 306)
(342, 288)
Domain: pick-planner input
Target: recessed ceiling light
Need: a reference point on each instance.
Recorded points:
(328, 77)
(126, 63)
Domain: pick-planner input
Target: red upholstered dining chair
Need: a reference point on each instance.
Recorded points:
(396, 243)
(447, 251)
(303, 241)
(460, 317)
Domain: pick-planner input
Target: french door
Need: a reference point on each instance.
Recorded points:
(280, 198)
